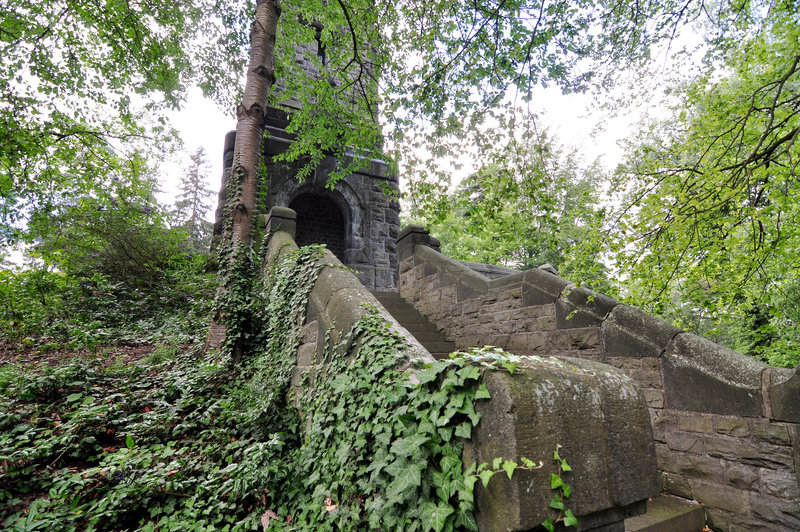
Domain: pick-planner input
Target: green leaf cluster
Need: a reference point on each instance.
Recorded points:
(708, 222)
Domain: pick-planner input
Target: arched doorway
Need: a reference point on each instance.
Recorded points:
(320, 221)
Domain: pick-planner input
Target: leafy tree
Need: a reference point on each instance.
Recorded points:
(711, 212)
(530, 203)
(82, 88)
(191, 203)
(442, 64)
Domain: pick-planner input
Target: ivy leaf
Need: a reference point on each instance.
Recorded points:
(446, 433)
(509, 466)
(570, 519)
(428, 374)
(464, 430)
(482, 392)
(557, 503)
(555, 481)
(549, 524)
(434, 516)
(129, 442)
(497, 462)
(565, 466)
(449, 463)
(486, 475)
(466, 520)
(566, 489)
(406, 475)
(407, 446)
(469, 372)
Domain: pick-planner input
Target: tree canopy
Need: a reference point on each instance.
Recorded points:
(710, 213)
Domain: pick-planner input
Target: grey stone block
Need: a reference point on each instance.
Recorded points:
(581, 307)
(781, 484)
(771, 433)
(701, 376)
(746, 452)
(594, 411)
(743, 477)
(630, 332)
(784, 395)
(780, 515)
(719, 496)
(410, 237)
(281, 219)
(542, 288)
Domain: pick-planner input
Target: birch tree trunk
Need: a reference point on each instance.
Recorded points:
(250, 115)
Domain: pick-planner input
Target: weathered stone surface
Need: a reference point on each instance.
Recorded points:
(782, 484)
(281, 219)
(676, 485)
(718, 519)
(784, 395)
(776, 433)
(581, 307)
(630, 332)
(593, 410)
(586, 338)
(688, 465)
(718, 495)
(743, 451)
(685, 441)
(654, 397)
(742, 476)
(779, 515)
(307, 354)
(733, 427)
(701, 376)
(696, 423)
(542, 288)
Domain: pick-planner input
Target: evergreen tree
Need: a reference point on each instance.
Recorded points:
(192, 203)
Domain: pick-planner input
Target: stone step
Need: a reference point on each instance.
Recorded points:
(418, 325)
(667, 513)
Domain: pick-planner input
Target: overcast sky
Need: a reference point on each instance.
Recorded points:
(570, 120)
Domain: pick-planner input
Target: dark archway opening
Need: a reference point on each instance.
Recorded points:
(319, 221)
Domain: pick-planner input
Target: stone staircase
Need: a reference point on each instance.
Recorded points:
(418, 325)
(664, 513)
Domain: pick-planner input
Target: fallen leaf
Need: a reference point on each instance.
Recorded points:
(329, 504)
(265, 519)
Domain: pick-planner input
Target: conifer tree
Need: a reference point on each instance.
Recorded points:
(193, 201)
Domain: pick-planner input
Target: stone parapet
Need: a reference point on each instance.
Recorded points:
(723, 423)
(595, 412)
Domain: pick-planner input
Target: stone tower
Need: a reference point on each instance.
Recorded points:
(358, 219)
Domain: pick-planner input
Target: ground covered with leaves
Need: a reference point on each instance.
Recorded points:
(164, 438)
(133, 444)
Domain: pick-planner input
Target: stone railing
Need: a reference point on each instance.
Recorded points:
(726, 427)
(595, 412)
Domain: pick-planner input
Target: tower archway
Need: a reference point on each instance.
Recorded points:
(320, 221)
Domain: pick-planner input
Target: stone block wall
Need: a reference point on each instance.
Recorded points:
(371, 215)
(595, 412)
(726, 427)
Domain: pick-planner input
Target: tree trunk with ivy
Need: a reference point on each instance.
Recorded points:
(243, 184)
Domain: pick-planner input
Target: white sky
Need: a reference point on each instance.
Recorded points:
(571, 121)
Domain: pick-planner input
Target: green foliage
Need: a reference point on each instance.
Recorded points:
(529, 204)
(708, 225)
(206, 444)
(51, 310)
(138, 447)
(191, 206)
(84, 88)
(562, 492)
